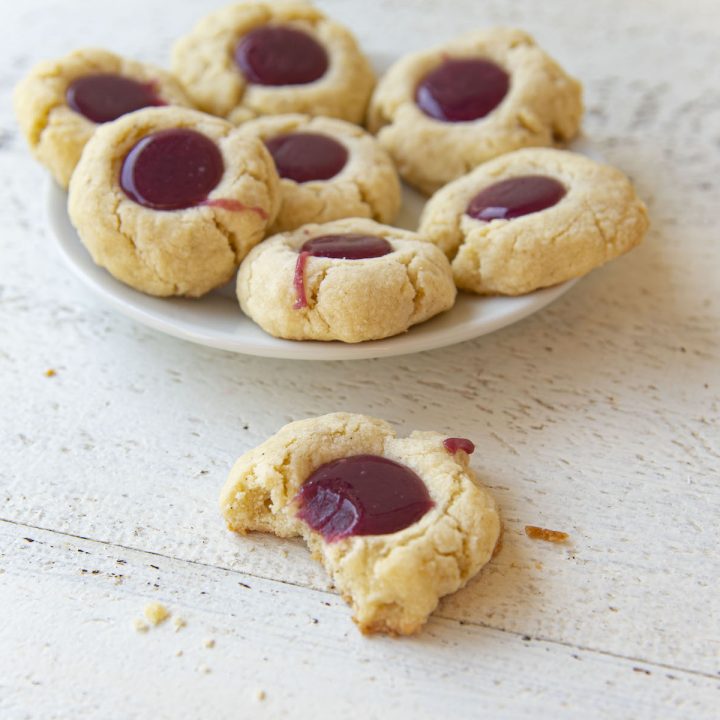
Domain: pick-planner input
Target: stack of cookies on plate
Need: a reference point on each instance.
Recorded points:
(271, 152)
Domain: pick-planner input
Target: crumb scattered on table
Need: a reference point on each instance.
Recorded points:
(209, 643)
(179, 653)
(50, 373)
(204, 669)
(538, 533)
(140, 626)
(179, 623)
(260, 695)
(156, 613)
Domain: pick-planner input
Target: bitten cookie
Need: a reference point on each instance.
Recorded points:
(397, 522)
(533, 218)
(442, 112)
(268, 58)
(170, 200)
(61, 102)
(349, 280)
(329, 169)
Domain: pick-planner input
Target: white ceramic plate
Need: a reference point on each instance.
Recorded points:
(217, 321)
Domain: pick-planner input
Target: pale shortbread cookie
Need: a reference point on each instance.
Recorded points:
(348, 300)
(394, 581)
(177, 252)
(542, 106)
(204, 62)
(55, 132)
(368, 185)
(599, 218)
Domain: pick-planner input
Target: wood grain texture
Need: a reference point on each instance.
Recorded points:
(304, 656)
(598, 417)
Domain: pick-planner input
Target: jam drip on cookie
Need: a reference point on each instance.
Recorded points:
(515, 197)
(453, 444)
(462, 90)
(277, 55)
(348, 246)
(303, 157)
(362, 495)
(171, 169)
(105, 96)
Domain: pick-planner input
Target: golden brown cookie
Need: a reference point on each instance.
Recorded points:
(329, 169)
(170, 200)
(533, 218)
(351, 280)
(269, 58)
(397, 522)
(61, 102)
(442, 112)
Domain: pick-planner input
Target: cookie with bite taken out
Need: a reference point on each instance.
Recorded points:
(397, 522)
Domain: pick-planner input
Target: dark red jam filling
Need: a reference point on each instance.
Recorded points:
(171, 169)
(277, 55)
(515, 197)
(461, 90)
(307, 156)
(452, 445)
(362, 495)
(104, 97)
(348, 246)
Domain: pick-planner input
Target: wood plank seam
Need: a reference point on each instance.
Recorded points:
(581, 648)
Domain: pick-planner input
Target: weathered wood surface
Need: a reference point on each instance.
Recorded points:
(598, 416)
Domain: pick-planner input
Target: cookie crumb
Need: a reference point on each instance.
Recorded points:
(209, 643)
(156, 613)
(539, 533)
(179, 623)
(260, 695)
(50, 373)
(140, 626)
(179, 653)
(204, 669)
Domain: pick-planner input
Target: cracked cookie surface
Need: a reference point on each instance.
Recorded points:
(204, 62)
(367, 185)
(542, 106)
(394, 581)
(172, 252)
(347, 300)
(54, 131)
(599, 218)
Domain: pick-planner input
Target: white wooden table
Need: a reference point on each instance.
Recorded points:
(598, 416)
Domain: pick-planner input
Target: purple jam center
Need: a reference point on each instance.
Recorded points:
(348, 246)
(105, 96)
(276, 55)
(453, 444)
(515, 197)
(362, 495)
(171, 169)
(462, 90)
(307, 156)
